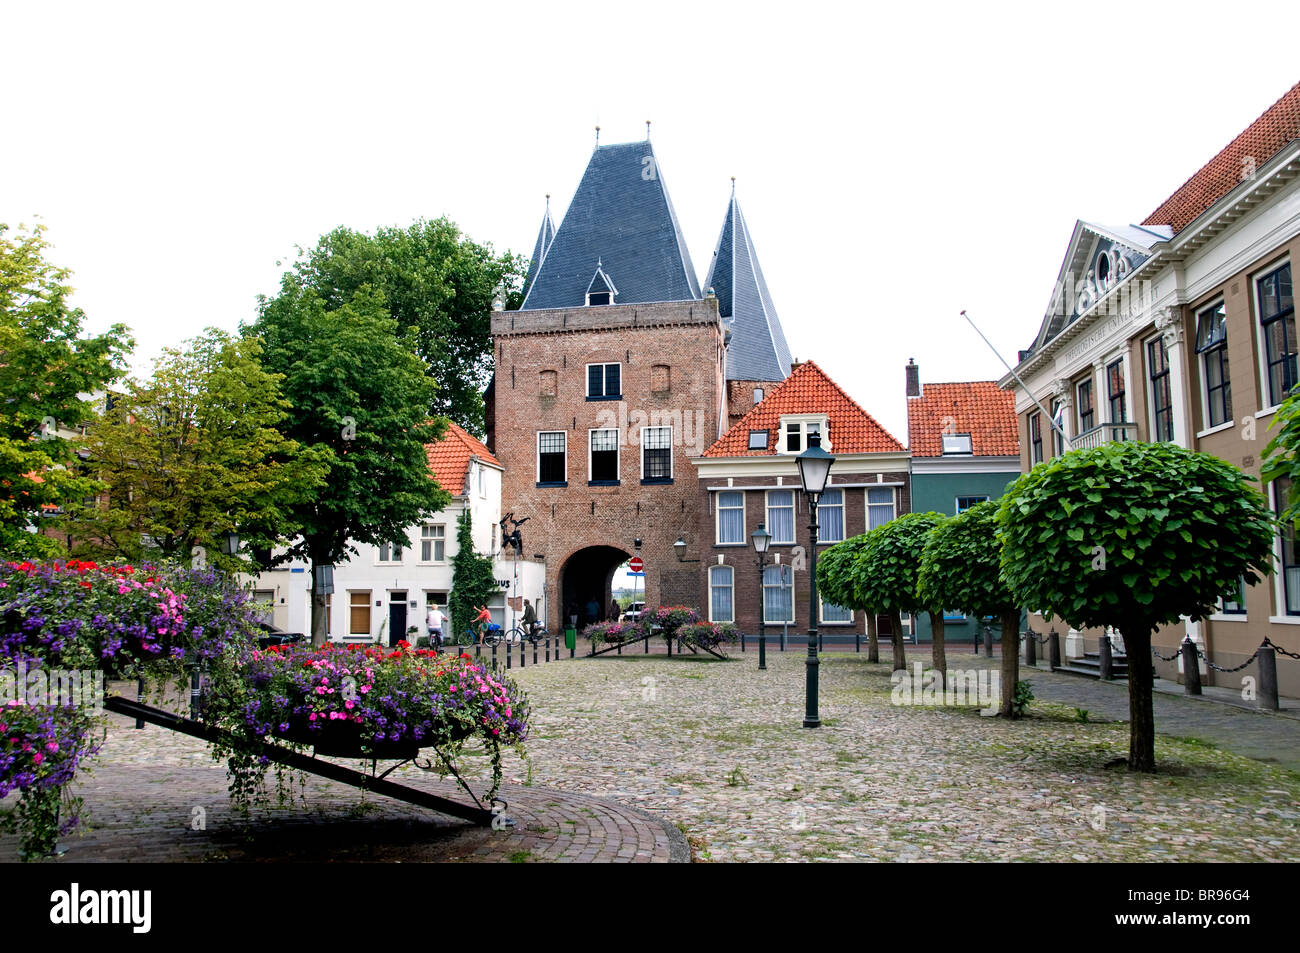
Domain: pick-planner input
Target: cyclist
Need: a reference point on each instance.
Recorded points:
(483, 622)
(530, 620)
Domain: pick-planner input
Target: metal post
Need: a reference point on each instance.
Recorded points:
(1107, 663)
(1191, 668)
(785, 627)
(857, 641)
(523, 658)
(1053, 650)
(1267, 678)
(988, 641)
(811, 719)
(975, 638)
(139, 696)
(1031, 649)
(194, 690)
(646, 646)
(762, 623)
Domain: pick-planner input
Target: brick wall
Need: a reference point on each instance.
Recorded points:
(678, 343)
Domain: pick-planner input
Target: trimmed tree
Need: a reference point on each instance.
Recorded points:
(1133, 536)
(961, 568)
(835, 585)
(473, 581)
(883, 576)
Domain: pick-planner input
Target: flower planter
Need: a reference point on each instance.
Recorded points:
(344, 740)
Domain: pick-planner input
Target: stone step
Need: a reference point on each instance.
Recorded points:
(1118, 675)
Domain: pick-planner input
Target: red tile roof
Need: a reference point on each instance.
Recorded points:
(449, 458)
(979, 408)
(807, 391)
(1262, 140)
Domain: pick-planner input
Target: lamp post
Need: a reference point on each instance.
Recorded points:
(762, 539)
(814, 471)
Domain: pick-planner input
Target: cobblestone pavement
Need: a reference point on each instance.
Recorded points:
(150, 789)
(719, 748)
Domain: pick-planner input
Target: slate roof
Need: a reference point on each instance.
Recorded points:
(622, 217)
(1260, 141)
(807, 391)
(757, 351)
(979, 408)
(545, 235)
(449, 458)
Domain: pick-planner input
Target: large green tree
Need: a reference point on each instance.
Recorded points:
(961, 568)
(47, 369)
(1134, 536)
(193, 452)
(361, 398)
(437, 284)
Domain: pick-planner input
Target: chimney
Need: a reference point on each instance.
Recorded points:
(913, 378)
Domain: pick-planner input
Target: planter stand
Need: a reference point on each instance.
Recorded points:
(477, 814)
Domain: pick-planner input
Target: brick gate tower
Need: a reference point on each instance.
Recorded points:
(613, 374)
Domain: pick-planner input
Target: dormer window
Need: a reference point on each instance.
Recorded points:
(601, 290)
(758, 440)
(956, 443)
(795, 431)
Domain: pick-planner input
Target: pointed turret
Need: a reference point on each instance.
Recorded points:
(621, 216)
(757, 350)
(545, 235)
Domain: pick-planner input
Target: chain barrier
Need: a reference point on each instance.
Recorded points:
(1164, 658)
(1204, 658)
(1278, 648)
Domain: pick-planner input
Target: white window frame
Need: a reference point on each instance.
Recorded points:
(731, 584)
(844, 526)
(821, 614)
(394, 560)
(867, 505)
(944, 438)
(1150, 385)
(803, 420)
(1279, 577)
(794, 513)
(1203, 378)
(1261, 346)
(672, 464)
(717, 518)
(762, 598)
(370, 614)
(618, 453)
(427, 537)
(956, 502)
(538, 448)
(603, 379)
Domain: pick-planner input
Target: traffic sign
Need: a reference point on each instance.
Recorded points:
(636, 565)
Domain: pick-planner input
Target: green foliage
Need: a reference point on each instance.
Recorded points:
(961, 565)
(878, 572)
(193, 452)
(436, 284)
(1020, 702)
(473, 581)
(1282, 455)
(1132, 534)
(45, 365)
(1081, 715)
(359, 397)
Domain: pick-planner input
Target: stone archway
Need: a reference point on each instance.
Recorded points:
(585, 578)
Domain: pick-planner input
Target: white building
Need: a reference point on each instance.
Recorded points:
(383, 591)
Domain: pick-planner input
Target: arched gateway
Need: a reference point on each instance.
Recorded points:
(586, 580)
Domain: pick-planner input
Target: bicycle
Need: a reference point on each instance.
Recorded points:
(519, 633)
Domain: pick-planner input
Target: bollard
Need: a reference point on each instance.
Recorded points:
(523, 659)
(857, 641)
(1031, 649)
(194, 691)
(1191, 668)
(1053, 651)
(1106, 663)
(742, 643)
(988, 641)
(1267, 678)
(572, 649)
(619, 650)
(975, 641)
(139, 696)
(783, 638)
(646, 648)
(478, 651)
(534, 653)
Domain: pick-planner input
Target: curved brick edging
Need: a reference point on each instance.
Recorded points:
(150, 789)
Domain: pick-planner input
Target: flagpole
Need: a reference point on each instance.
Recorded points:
(1051, 418)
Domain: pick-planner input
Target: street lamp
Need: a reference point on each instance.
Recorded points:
(814, 471)
(230, 543)
(762, 539)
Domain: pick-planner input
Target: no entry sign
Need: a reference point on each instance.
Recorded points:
(636, 565)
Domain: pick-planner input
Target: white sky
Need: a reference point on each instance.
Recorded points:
(895, 164)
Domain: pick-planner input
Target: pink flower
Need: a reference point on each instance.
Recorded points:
(312, 716)
(51, 746)
(38, 758)
(349, 704)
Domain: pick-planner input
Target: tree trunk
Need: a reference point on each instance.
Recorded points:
(937, 647)
(1141, 717)
(873, 639)
(896, 625)
(318, 620)
(1010, 661)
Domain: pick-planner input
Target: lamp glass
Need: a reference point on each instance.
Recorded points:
(814, 467)
(762, 539)
(679, 547)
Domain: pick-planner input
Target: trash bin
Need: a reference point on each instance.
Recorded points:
(570, 637)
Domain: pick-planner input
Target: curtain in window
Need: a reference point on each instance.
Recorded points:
(731, 518)
(778, 594)
(780, 512)
(721, 605)
(830, 517)
(880, 506)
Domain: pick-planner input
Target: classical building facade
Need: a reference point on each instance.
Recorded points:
(614, 373)
(1182, 328)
